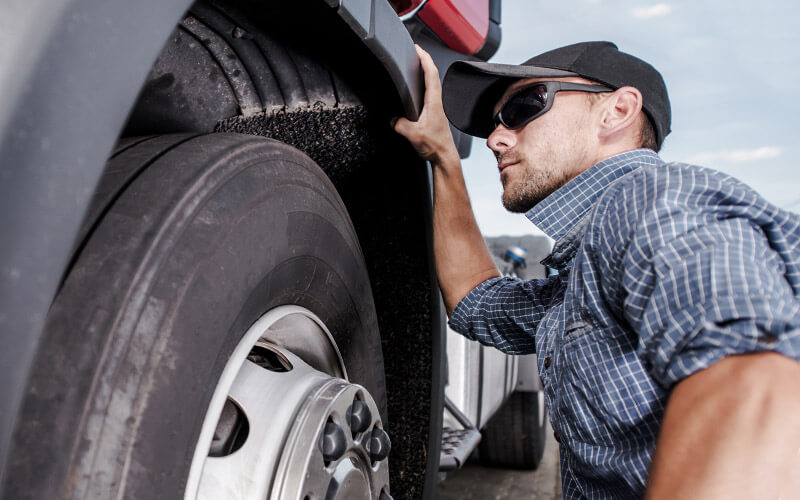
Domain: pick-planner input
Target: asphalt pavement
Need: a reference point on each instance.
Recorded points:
(476, 482)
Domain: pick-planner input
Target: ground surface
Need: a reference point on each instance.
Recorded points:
(475, 482)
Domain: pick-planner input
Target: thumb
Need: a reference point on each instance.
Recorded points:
(400, 125)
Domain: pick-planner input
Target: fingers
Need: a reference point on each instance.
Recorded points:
(430, 134)
(433, 87)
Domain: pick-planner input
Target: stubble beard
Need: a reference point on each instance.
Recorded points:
(523, 190)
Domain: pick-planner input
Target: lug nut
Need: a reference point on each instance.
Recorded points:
(359, 416)
(333, 443)
(379, 445)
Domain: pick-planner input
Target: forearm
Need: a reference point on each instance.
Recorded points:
(731, 431)
(462, 259)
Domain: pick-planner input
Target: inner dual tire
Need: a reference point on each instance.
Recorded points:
(192, 240)
(514, 438)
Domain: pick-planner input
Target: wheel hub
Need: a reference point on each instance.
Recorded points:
(348, 482)
(290, 430)
(323, 452)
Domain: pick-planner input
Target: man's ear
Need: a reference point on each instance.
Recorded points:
(620, 114)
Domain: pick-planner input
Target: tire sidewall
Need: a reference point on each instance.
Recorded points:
(214, 234)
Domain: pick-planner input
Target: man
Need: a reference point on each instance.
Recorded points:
(668, 343)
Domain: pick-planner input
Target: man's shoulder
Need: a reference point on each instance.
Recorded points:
(661, 200)
(654, 186)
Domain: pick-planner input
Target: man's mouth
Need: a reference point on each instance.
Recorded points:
(505, 164)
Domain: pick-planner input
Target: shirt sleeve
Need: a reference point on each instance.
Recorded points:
(697, 281)
(504, 312)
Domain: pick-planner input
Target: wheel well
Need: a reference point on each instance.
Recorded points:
(235, 66)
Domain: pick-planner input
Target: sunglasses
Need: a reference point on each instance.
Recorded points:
(532, 101)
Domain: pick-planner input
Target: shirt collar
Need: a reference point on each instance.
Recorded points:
(557, 213)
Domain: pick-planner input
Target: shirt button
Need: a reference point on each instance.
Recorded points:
(769, 338)
(547, 362)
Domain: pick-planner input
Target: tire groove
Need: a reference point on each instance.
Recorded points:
(133, 142)
(91, 222)
(281, 67)
(245, 49)
(285, 70)
(232, 67)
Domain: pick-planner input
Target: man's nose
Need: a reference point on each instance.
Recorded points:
(501, 139)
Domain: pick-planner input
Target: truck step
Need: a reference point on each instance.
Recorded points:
(457, 445)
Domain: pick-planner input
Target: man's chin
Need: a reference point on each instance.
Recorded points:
(518, 206)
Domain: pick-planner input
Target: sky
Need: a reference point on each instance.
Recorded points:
(732, 69)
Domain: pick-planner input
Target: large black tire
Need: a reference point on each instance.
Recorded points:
(514, 437)
(208, 234)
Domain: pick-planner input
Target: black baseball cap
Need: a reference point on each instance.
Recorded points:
(472, 89)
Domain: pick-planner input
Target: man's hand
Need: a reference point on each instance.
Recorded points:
(462, 259)
(430, 135)
(732, 431)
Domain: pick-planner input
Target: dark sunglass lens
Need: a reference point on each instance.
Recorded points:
(524, 105)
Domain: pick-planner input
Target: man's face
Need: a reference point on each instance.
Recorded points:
(542, 156)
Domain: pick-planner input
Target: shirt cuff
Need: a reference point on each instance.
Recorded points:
(461, 319)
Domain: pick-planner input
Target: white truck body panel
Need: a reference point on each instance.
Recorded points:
(481, 378)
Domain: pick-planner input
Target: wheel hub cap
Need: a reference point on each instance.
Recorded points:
(283, 428)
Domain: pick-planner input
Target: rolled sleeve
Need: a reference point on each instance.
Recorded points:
(717, 290)
(504, 313)
(699, 267)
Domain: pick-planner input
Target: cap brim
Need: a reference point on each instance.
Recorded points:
(471, 90)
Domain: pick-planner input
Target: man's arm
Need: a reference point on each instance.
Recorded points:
(732, 431)
(462, 259)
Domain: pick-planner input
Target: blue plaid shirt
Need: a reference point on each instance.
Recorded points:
(664, 269)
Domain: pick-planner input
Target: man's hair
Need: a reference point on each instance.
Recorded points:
(647, 134)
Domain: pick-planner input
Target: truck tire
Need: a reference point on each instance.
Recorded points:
(514, 437)
(216, 337)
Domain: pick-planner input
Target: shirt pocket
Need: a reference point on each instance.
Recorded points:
(607, 396)
(577, 329)
(579, 323)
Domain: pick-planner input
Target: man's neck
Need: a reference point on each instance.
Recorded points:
(606, 151)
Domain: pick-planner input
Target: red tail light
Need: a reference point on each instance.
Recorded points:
(461, 24)
(403, 7)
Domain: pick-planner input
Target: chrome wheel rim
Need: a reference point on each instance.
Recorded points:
(285, 423)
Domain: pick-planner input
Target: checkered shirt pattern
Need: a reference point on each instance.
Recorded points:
(663, 269)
